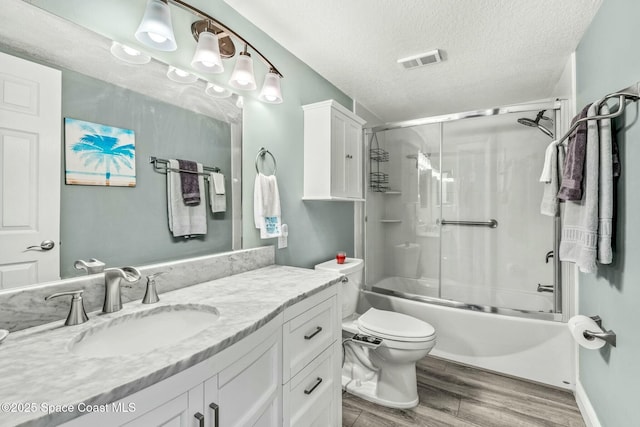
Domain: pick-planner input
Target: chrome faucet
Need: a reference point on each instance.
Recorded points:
(112, 278)
(92, 266)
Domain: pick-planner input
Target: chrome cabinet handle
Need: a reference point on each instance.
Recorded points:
(313, 387)
(200, 418)
(314, 333)
(46, 245)
(216, 411)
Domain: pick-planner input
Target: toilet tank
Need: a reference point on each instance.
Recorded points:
(353, 268)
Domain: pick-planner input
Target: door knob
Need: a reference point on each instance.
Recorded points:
(46, 245)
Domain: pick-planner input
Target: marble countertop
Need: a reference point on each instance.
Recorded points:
(37, 366)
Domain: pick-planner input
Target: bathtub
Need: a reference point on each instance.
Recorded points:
(533, 349)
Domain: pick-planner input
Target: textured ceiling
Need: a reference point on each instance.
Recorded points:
(496, 52)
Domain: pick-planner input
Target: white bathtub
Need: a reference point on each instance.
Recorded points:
(537, 350)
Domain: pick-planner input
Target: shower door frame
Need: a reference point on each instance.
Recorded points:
(557, 314)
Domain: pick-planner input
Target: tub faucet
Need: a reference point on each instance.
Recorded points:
(112, 278)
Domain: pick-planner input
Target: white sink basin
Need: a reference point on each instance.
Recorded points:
(144, 331)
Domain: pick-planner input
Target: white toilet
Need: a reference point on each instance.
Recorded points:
(381, 366)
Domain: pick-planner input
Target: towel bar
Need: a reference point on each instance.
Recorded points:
(166, 168)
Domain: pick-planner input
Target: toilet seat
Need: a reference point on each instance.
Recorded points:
(394, 326)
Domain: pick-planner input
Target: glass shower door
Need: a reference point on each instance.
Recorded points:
(493, 238)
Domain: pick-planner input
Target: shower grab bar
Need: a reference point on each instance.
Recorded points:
(492, 223)
(632, 92)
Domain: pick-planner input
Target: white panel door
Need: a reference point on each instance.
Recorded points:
(30, 146)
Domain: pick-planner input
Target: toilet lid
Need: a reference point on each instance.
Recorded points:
(395, 326)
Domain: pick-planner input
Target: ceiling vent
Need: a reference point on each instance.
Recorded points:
(419, 60)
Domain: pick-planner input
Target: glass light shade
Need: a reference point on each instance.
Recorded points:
(216, 91)
(271, 92)
(155, 29)
(180, 76)
(242, 77)
(207, 57)
(129, 54)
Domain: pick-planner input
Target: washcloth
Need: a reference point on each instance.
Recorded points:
(266, 206)
(189, 184)
(550, 203)
(573, 176)
(545, 176)
(217, 195)
(587, 226)
(184, 220)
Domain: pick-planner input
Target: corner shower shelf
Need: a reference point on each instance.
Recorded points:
(392, 192)
(391, 221)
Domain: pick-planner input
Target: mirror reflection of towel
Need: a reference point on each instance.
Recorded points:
(189, 184)
(266, 206)
(184, 220)
(217, 196)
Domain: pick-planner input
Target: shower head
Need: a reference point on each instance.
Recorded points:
(536, 123)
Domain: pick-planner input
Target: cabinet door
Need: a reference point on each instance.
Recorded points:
(174, 413)
(353, 159)
(250, 389)
(338, 154)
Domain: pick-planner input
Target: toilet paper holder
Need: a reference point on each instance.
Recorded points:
(608, 336)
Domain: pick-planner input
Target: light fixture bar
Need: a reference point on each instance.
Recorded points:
(203, 15)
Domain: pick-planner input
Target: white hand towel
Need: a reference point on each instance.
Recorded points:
(550, 203)
(217, 196)
(184, 220)
(545, 176)
(266, 206)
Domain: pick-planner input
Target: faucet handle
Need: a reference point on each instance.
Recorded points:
(151, 294)
(77, 314)
(93, 266)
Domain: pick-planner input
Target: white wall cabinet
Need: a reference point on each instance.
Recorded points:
(333, 153)
(249, 383)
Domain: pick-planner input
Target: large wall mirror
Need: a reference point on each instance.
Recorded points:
(124, 225)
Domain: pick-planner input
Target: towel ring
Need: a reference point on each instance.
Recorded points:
(261, 153)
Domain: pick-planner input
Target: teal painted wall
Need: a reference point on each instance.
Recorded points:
(129, 226)
(317, 230)
(608, 60)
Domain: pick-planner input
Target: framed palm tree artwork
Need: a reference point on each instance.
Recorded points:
(98, 154)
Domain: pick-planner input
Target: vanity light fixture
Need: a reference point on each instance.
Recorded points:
(214, 44)
(156, 29)
(216, 91)
(242, 77)
(129, 54)
(271, 92)
(180, 76)
(207, 57)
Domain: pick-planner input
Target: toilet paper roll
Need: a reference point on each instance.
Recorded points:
(578, 325)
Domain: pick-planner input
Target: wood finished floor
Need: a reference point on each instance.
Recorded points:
(461, 396)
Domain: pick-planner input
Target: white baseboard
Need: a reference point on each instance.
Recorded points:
(586, 409)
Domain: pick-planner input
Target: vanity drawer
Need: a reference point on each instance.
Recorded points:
(307, 335)
(309, 398)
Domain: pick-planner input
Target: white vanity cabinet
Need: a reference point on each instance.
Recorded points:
(285, 373)
(312, 362)
(333, 152)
